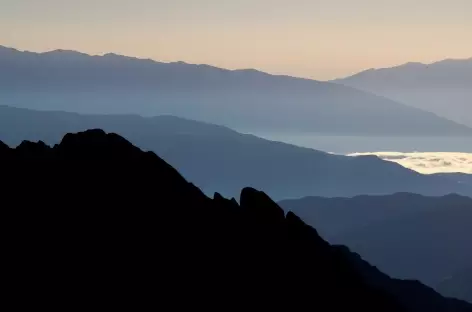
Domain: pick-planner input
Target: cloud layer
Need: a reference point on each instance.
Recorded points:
(428, 163)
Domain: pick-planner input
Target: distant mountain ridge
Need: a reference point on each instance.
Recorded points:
(100, 222)
(405, 235)
(449, 72)
(247, 100)
(218, 158)
(444, 87)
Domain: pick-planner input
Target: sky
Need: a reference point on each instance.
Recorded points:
(319, 39)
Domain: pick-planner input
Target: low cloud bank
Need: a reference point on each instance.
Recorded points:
(428, 163)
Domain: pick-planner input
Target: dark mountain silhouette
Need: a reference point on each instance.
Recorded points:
(458, 285)
(217, 158)
(405, 235)
(247, 100)
(95, 220)
(444, 88)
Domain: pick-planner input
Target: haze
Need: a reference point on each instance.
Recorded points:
(317, 39)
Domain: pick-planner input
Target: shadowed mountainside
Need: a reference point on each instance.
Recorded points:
(217, 158)
(404, 235)
(458, 285)
(462, 178)
(247, 100)
(444, 88)
(95, 219)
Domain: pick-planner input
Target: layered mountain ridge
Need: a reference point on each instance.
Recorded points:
(217, 158)
(246, 100)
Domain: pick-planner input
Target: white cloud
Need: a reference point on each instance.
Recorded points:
(428, 163)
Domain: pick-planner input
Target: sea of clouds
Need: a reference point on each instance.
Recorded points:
(428, 163)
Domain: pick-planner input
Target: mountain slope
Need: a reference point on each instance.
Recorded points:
(405, 235)
(108, 224)
(444, 88)
(462, 178)
(248, 100)
(459, 285)
(217, 158)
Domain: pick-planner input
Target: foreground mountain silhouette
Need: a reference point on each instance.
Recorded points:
(444, 88)
(216, 158)
(404, 235)
(95, 219)
(246, 100)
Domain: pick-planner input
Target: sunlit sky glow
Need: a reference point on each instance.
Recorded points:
(321, 39)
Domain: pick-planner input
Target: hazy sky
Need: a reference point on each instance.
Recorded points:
(320, 39)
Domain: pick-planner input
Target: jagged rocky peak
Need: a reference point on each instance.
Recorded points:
(261, 206)
(94, 141)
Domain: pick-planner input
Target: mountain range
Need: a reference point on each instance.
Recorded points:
(118, 227)
(405, 235)
(218, 158)
(246, 100)
(444, 88)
